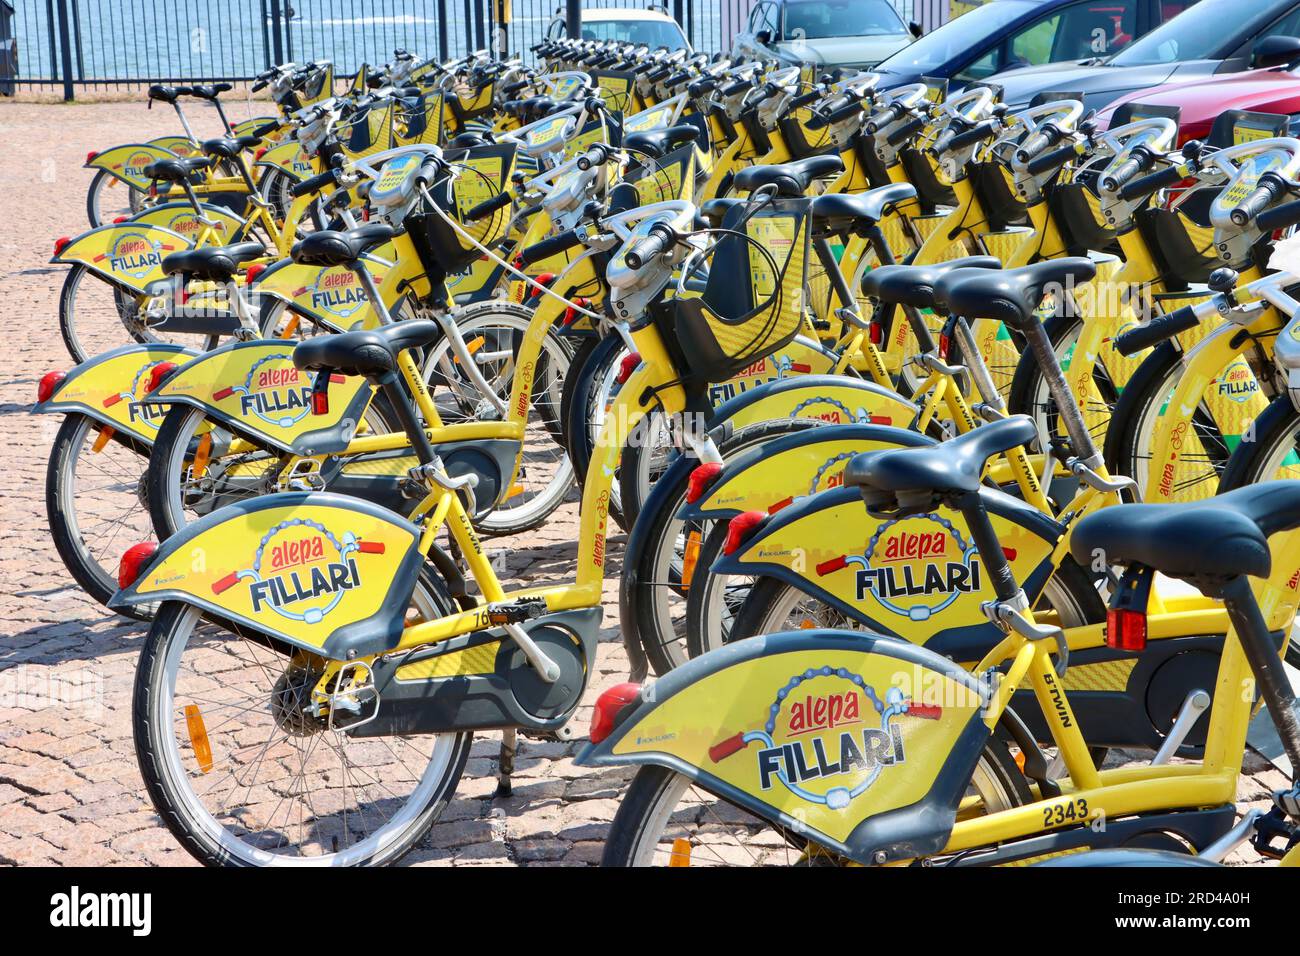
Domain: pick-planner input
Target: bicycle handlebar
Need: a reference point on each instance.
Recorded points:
(1145, 185)
(1051, 159)
(549, 247)
(658, 241)
(1156, 331)
(1271, 186)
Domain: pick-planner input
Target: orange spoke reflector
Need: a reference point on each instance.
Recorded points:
(807, 624)
(105, 434)
(291, 327)
(198, 737)
(690, 558)
(681, 855)
(472, 346)
(201, 456)
(1020, 760)
(515, 490)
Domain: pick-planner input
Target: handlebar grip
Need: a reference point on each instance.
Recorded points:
(734, 88)
(549, 247)
(1156, 331)
(651, 246)
(978, 132)
(260, 84)
(1145, 185)
(1039, 140)
(487, 207)
(1123, 173)
(266, 129)
(805, 99)
(1254, 204)
(312, 185)
(1051, 159)
(1279, 217)
(886, 116)
(905, 132)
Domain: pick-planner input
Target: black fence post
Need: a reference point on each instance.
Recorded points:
(573, 18)
(65, 49)
(443, 55)
(479, 35)
(277, 43)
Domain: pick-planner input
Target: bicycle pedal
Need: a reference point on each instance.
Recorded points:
(513, 612)
(1271, 826)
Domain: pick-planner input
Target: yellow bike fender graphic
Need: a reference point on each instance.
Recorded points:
(334, 295)
(830, 398)
(180, 218)
(862, 744)
(325, 572)
(779, 472)
(129, 254)
(289, 157)
(110, 388)
(918, 577)
(127, 162)
(179, 145)
(255, 388)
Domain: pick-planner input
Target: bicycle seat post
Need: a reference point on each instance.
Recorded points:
(367, 281)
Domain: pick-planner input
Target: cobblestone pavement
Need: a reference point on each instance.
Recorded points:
(70, 789)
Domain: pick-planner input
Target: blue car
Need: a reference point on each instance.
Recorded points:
(1003, 34)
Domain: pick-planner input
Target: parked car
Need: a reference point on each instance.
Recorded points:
(652, 27)
(992, 36)
(849, 33)
(1212, 38)
(1201, 102)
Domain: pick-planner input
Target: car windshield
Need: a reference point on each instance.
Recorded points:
(821, 19)
(956, 37)
(1199, 33)
(653, 33)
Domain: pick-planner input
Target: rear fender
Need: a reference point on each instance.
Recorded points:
(128, 254)
(917, 578)
(110, 389)
(290, 158)
(255, 389)
(180, 218)
(773, 475)
(127, 162)
(327, 573)
(833, 398)
(861, 743)
(333, 296)
(179, 145)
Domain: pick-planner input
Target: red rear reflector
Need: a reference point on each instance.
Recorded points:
(608, 704)
(320, 402)
(160, 372)
(626, 367)
(698, 483)
(740, 528)
(1126, 629)
(90, 157)
(943, 347)
(49, 382)
(261, 151)
(133, 562)
(546, 278)
(255, 270)
(877, 332)
(61, 243)
(120, 219)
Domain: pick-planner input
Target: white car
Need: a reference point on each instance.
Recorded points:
(856, 34)
(649, 27)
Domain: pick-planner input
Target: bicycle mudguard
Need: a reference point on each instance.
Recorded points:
(180, 145)
(255, 389)
(127, 162)
(288, 156)
(327, 573)
(803, 356)
(776, 473)
(110, 389)
(128, 254)
(918, 578)
(180, 218)
(837, 399)
(483, 681)
(861, 743)
(332, 296)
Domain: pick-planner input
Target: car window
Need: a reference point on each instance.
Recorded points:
(819, 19)
(1081, 31)
(982, 68)
(1286, 26)
(1207, 31)
(956, 38)
(653, 33)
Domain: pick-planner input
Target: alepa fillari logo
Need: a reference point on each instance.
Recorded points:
(915, 566)
(274, 391)
(301, 570)
(337, 292)
(139, 413)
(134, 254)
(818, 740)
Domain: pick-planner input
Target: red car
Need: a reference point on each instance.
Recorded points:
(1262, 91)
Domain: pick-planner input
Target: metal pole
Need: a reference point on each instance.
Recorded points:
(266, 36)
(573, 18)
(277, 42)
(469, 37)
(443, 53)
(480, 38)
(65, 48)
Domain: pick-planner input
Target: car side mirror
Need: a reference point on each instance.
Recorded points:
(914, 28)
(764, 37)
(1274, 51)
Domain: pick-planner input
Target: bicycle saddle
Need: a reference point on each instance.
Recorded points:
(331, 247)
(790, 179)
(366, 351)
(914, 285)
(211, 92)
(175, 170)
(212, 263)
(657, 142)
(1212, 539)
(468, 140)
(166, 94)
(715, 210)
(955, 465)
(229, 147)
(841, 211)
(1010, 295)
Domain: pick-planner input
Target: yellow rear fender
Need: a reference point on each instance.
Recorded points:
(129, 254)
(127, 162)
(831, 398)
(181, 219)
(331, 296)
(327, 573)
(289, 157)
